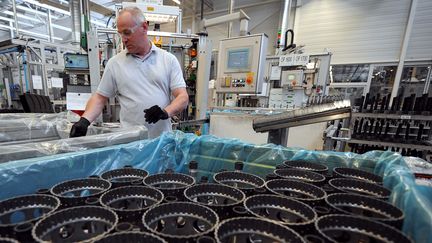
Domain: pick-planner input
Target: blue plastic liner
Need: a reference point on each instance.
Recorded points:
(175, 149)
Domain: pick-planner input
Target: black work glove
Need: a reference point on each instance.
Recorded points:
(154, 114)
(79, 129)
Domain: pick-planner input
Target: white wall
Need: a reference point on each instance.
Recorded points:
(364, 31)
(232, 125)
(420, 43)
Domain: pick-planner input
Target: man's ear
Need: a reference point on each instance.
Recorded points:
(145, 26)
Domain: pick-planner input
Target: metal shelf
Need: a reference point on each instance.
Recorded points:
(390, 144)
(393, 116)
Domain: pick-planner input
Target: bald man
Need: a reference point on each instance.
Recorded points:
(147, 81)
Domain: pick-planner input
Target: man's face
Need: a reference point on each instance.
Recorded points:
(133, 35)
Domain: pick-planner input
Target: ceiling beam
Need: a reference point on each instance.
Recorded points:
(93, 7)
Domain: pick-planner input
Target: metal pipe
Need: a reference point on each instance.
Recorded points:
(75, 10)
(24, 56)
(154, 33)
(285, 20)
(403, 50)
(15, 18)
(202, 10)
(179, 22)
(49, 26)
(230, 24)
(193, 18)
(203, 76)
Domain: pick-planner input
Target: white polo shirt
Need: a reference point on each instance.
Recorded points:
(141, 83)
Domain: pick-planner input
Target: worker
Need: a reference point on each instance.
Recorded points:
(147, 80)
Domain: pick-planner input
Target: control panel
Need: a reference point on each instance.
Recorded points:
(241, 64)
(292, 78)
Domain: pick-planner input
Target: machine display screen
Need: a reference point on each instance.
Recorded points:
(238, 59)
(76, 61)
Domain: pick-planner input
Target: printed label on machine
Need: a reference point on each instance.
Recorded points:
(294, 60)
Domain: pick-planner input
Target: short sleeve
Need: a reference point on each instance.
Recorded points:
(176, 74)
(107, 86)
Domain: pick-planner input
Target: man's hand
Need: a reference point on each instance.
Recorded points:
(79, 129)
(154, 114)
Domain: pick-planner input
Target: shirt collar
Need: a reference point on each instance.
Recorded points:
(152, 49)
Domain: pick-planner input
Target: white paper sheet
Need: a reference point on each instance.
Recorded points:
(37, 82)
(275, 73)
(57, 82)
(77, 101)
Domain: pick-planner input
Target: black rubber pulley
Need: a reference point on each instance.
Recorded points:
(241, 180)
(367, 207)
(18, 214)
(344, 228)
(220, 198)
(77, 192)
(302, 191)
(301, 175)
(360, 187)
(292, 213)
(180, 221)
(125, 176)
(171, 184)
(304, 165)
(130, 202)
(137, 237)
(76, 224)
(357, 174)
(249, 229)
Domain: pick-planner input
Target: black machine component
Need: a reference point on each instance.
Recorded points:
(248, 229)
(221, 198)
(131, 237)
(360, 187)
(357, 174)
(241, 180)
(7, 240)
(130, 202)
(302, 191)
(368, 207)
(180, 221)
(18, 214)
(125, 176)
(79, 192)
(404, 127)
(304, 165)
(34, 103)
(302, 175)
(292, 213)
(172, 185)
(76, 224)
(343, 228)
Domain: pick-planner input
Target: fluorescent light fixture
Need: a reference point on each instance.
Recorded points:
(22, 16)
(12, 21)
(177, 1)
(156, 13)
(37, 20)
(29, 32)
(48, 7)
(34, 11)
